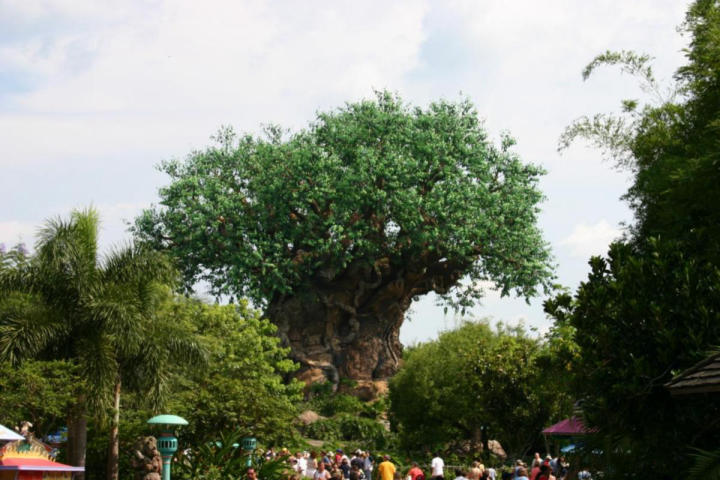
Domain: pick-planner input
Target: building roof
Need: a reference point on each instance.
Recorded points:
(703, 377)
(569, 426)
(8, 435)
(36, 464)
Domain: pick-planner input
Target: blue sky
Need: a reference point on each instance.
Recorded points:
(93, 94)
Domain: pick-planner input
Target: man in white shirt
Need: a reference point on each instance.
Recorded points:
(437, 466)
(301, 463)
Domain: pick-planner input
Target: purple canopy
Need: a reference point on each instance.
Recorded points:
(569, 426)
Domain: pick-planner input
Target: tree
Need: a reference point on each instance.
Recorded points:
(640, 319)
(473, 382)
(242, 387)
(40, 392)
(650, 309)
(336, 229)
(67, 303)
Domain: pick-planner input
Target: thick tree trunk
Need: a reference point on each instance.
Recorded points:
(348, 326)
(330, 341)
(114, 441)
(77, 440)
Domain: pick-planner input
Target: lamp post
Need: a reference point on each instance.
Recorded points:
(167, 442)
(248, 445)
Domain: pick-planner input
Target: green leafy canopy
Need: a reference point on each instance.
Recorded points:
(374, 182)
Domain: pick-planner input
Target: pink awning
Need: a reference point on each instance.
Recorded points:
(569, 426)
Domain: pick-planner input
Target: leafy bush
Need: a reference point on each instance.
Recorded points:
(349, 427)
(224, 459)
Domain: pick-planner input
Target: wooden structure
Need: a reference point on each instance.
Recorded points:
(30, 460)
(703, 377)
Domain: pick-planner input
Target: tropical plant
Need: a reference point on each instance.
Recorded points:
(66, 302)
(223, 458)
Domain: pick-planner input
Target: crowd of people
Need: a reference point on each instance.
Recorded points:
(361, 464)
(548, 469)
(327, 465)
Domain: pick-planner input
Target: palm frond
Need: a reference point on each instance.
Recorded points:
(706, 465)
(27, 327)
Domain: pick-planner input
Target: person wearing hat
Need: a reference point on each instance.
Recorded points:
(386, 469)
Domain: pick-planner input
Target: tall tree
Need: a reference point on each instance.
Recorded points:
(336, 229)
(651, 308)
(475, 381)
(67, 302)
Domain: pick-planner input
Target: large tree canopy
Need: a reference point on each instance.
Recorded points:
(371, 206)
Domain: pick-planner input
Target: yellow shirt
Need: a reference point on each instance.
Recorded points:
(387, 470)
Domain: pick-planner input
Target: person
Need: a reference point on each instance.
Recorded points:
(518, 464)
(301, 463)
(491, 473)
(368, 465)
(357, 459)
(356, 473)
(535, 470)
(437, 465)
(545, 473)
(251, 474)
(312, 464)
(386, 469)
(338, 456)
(345, 467)
(460, 475)
(474, 472)
(522, 473)
(415, 472)
(562, 468)
(321, 473)
(536, 461)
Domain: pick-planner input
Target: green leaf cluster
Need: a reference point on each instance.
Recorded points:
(243, 387)
(475, 381)
(374, 182)
(40, 392)
(651, 308)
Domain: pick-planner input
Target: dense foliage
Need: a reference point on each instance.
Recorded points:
(651, 308)
(476, 383)
(243, 386)
(40, 392)
(375, 181)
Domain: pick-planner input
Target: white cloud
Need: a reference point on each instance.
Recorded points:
(178, 70)
(14, 232)
(588, 240)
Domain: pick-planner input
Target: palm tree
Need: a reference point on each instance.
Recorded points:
(101, 312)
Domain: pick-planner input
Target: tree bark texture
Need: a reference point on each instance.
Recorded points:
(113, 458)
(77, 441)
(347, 325)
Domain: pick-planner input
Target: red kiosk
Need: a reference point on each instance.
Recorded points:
(31, 460)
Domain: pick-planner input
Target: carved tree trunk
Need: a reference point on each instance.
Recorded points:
(348, 325)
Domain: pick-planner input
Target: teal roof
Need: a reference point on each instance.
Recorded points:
(167, 420)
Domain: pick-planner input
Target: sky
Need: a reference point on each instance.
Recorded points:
(94, 94)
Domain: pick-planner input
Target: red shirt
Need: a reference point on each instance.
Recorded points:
(415, 472)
